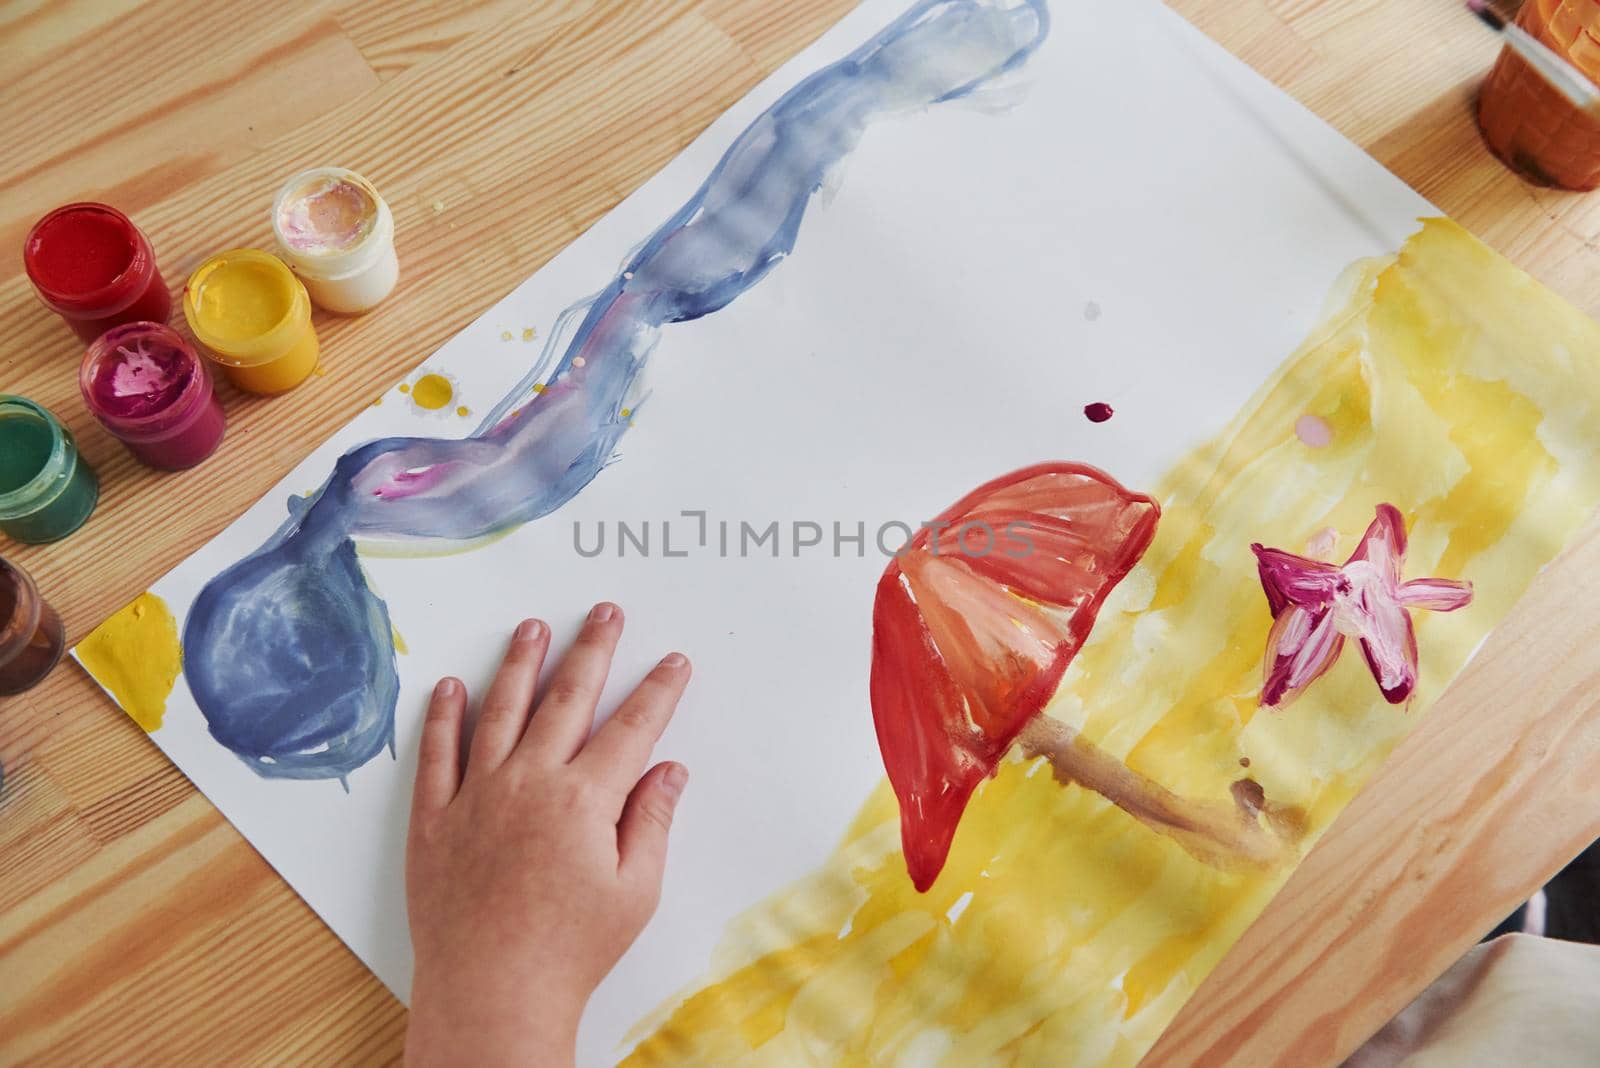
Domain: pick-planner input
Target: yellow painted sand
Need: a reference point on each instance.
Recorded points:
(1063, 932)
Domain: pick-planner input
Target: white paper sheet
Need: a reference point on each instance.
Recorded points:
(1150, 225)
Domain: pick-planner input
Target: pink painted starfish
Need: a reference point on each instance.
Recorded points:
(1316, 605)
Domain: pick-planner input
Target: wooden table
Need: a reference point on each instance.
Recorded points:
(136, 923)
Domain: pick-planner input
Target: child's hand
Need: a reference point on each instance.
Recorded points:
(535, 860)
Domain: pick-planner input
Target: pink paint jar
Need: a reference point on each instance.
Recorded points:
(90, 265)
(147, 385)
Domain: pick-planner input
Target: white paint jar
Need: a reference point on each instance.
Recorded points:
(337, 234)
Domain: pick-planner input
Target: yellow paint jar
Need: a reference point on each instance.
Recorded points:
(254, 318)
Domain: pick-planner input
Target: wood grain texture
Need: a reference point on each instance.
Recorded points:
(194, 108)
(135, 921)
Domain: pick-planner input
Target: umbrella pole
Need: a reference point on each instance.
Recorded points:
(1223, 835)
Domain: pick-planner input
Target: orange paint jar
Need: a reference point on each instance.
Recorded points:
(1525, 120)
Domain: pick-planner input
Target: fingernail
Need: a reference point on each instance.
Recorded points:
(529, 629)
(674, 660)
(601, 612)
(674, 778)
(445, 688)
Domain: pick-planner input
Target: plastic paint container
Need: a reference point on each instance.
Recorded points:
(147, 386)
(31, 637)
(1528, 122)
(46, 488)
(94, 268)
(337, 234)
(254, 318)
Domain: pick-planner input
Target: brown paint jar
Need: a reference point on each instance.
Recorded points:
(31, 637)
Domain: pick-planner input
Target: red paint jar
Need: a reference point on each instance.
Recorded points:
(94, 268)
(148, 386)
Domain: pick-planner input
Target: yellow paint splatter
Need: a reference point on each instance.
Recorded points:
(404, 388)
(505, 335)
(1455, 387)
(136, 656)
(431, 548)
(432, 392)
(626, 412)
(378, 403)
(399, 642)
(538, 387)
(528, 333)
(463, 411)
(319, 370)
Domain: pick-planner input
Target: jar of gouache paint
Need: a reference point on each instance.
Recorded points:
(46, 489)
(337, 234)
(147, 386)
(254, 318)
(94, 268)
(1528, 122)
(31, 636)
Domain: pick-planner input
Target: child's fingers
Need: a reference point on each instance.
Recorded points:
(621, 747)
(566, 713)
(646, 819)
(439, 755)
(504, 713)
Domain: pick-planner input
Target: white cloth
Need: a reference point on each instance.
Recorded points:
(1519, 1000)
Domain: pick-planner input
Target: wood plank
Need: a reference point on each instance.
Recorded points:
(132, 917)
(30, 30)
(43, 838)
(258, 76)
(396, 35)
(178, 941)
(772, 33)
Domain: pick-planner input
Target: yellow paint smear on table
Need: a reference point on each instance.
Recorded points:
(1455, 387)
(136, 656)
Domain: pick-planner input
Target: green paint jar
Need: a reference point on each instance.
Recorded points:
(46, 488)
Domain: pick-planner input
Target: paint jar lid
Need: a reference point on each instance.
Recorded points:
(331, 223)
(46, 484)
(49, 246)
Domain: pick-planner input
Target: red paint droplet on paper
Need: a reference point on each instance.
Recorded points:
(1098, 412)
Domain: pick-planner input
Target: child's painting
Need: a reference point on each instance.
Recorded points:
(1070, 465)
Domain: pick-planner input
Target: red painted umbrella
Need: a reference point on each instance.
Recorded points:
(973, 626)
